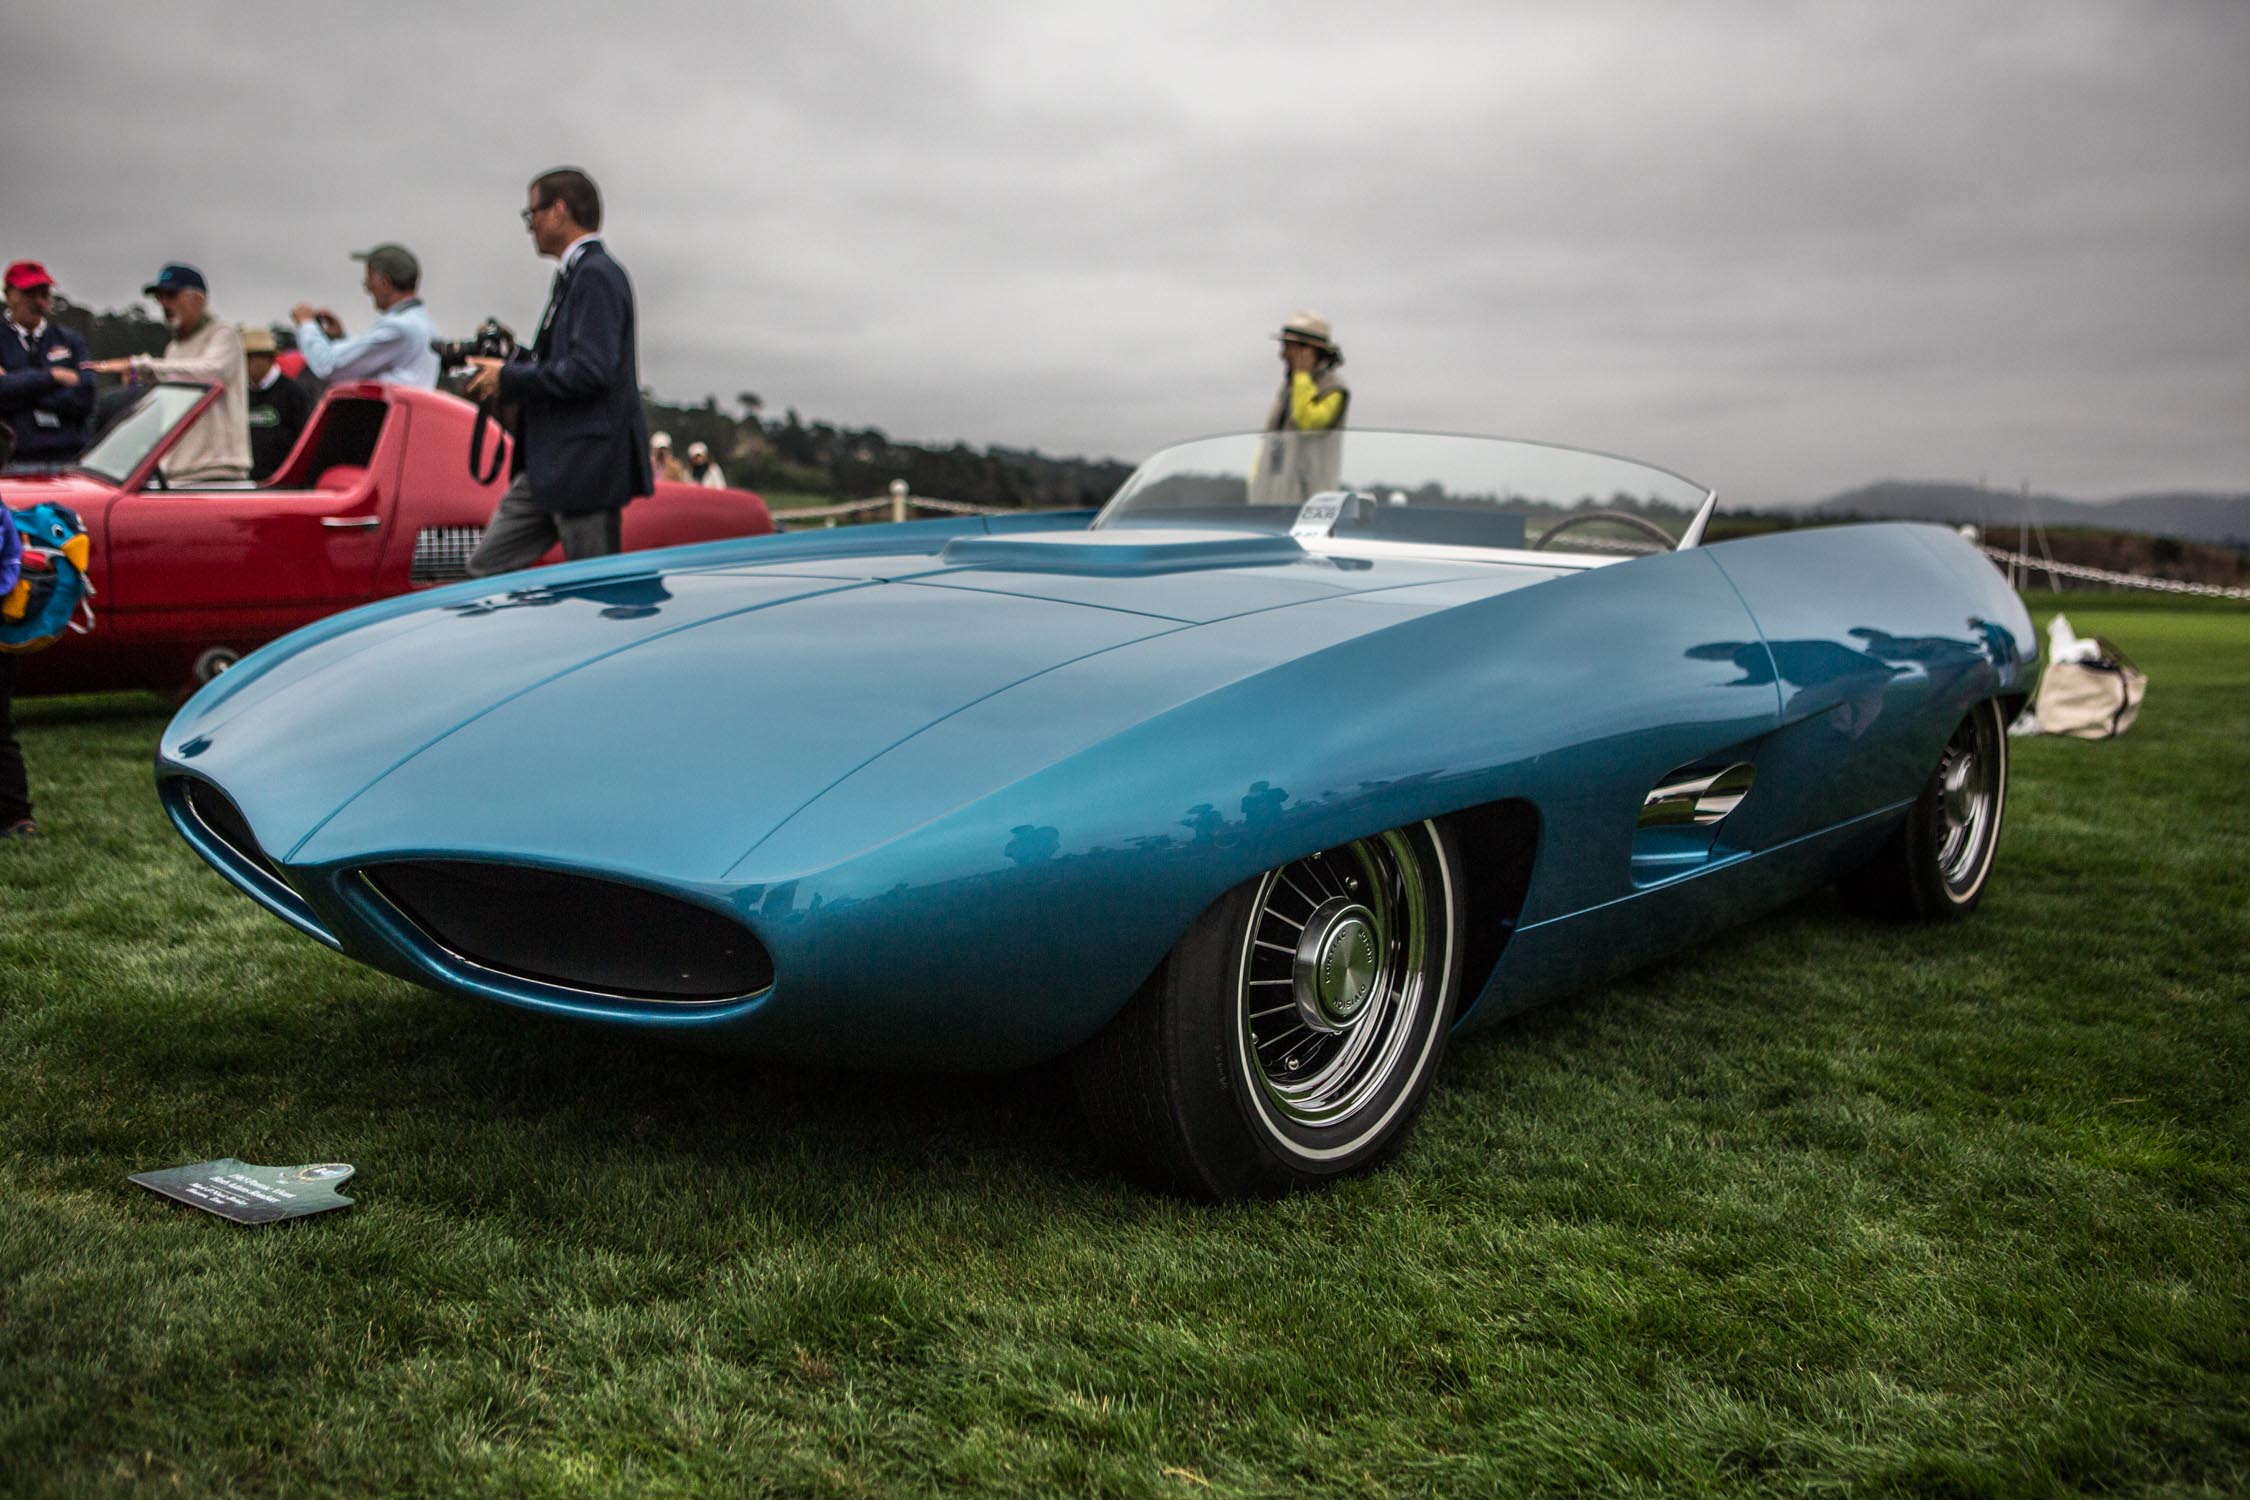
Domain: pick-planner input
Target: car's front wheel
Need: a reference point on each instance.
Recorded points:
(1291, 1035)
(1937, 864)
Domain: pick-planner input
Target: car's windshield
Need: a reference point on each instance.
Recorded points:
(1413, 487)
(131, 438)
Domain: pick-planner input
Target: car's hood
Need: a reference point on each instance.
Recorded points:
(668, 719)
(64, 487)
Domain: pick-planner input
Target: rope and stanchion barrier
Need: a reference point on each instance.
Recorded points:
(2083, 574)
(955, 507)
(830, 512)
(898, 502)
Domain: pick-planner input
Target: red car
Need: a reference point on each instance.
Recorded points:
(376, 499)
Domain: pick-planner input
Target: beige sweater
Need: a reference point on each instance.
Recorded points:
(218, 445)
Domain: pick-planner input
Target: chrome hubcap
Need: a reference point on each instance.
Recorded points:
(1332, 989)
(1968, 802)
(1336, 964)
(1960, 793)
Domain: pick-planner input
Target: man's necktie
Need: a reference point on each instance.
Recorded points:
(554, 300)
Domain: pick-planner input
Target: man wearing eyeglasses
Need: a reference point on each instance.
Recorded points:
(582, 441)
(45, 392)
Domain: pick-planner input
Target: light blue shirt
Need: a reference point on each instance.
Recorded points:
(396, 348)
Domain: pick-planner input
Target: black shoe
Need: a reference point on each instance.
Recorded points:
(21, 828)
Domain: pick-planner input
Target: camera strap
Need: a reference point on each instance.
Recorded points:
(479, 470)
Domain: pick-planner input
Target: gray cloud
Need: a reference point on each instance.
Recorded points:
(1784, 249)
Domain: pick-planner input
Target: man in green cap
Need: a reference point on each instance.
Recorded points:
(396, 347)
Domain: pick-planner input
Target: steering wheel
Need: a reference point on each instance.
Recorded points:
(1622, 518)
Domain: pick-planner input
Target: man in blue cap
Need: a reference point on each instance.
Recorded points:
(208, 351)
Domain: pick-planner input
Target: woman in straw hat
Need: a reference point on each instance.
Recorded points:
(1305, 453)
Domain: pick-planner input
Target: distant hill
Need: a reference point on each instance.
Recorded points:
(2224, 519)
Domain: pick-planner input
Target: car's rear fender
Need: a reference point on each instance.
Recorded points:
(1880, 639)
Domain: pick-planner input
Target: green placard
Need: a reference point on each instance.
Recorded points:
(250, 1194)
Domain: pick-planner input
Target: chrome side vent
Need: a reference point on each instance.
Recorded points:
(1690, 798)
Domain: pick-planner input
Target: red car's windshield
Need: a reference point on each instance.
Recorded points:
(133, 436)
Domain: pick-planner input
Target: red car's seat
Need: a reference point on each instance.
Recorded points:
(341, 477)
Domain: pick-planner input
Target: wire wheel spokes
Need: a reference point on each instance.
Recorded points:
(1968, 801)
(1332, 989)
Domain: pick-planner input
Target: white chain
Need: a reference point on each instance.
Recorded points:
(2032, 565)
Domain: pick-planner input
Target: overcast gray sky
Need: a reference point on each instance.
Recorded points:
(1782, 248)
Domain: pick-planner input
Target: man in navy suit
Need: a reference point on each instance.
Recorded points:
(44, 388)
(582, 439)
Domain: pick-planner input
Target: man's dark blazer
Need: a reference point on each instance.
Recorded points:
(582, 438)
(27, 389)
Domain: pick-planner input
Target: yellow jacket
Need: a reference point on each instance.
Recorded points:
(1315, 406)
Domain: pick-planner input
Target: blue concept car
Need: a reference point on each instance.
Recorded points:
(1243, 793)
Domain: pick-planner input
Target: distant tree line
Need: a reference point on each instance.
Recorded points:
(113, 335)
(789, 456)
(821, 458)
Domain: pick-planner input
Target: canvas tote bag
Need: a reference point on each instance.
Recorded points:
(2097, 699)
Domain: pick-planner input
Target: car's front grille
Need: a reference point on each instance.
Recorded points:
(216, 827)
(223, 821)
(595, 936)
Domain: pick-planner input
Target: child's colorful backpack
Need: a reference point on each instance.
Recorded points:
(56, 587)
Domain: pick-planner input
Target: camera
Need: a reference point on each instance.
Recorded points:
(494, 340)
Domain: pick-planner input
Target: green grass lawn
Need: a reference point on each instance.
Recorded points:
(1820, 1207)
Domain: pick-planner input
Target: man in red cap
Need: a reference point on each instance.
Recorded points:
(45, 392)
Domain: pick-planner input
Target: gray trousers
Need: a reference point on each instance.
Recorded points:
(520, 533)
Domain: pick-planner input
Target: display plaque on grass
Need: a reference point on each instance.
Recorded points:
(248, 1194)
